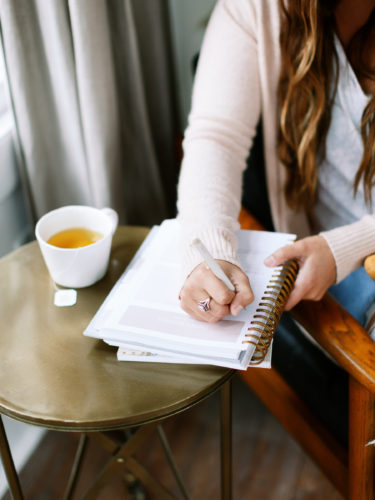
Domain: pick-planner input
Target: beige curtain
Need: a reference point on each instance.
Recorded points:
(92, 94)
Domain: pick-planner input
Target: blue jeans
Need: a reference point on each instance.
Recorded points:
(356, 293)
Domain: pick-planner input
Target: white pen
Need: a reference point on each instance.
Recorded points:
(212, 264)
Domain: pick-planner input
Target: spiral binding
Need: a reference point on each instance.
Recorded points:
(270, 309)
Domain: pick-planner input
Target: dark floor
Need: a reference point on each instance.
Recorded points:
(267, 463)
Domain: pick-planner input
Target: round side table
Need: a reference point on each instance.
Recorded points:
(52, 376)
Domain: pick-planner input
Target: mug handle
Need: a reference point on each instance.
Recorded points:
(112, 214)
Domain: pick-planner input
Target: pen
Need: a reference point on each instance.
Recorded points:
(212, 264)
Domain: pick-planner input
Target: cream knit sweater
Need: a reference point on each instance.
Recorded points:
(236, 81)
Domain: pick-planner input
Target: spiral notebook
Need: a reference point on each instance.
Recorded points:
(142, 318)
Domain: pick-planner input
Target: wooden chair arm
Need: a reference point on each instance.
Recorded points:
(341, 336)
(334, 329)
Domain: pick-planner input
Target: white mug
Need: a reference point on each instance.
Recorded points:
(83, 266)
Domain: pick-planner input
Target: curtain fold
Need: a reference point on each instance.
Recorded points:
(91, 89)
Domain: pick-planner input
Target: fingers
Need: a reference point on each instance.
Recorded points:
(202, 283)
(278, 258)
(293, 251)
(297, 294)
(215, 313)
(244, 294)
(303, 289)
(190, 297)
(317, 268)
(216, 289)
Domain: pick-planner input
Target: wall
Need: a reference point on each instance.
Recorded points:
(14, 228)
(23, 439)
(188, 18)
(14, 231)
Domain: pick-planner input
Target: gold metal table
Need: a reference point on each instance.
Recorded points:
(52, 376)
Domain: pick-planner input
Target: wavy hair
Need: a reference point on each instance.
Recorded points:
(306, 91)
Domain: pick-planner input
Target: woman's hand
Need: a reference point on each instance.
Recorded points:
(202, 284)
(317, 268)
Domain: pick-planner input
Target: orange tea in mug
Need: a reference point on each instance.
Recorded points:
(74, 237)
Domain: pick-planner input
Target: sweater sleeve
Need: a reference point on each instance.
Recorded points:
(351, 244)
(222, 122)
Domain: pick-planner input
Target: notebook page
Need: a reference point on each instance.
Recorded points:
(147, 306)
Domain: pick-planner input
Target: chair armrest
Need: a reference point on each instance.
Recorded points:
(344, 339)
(335, 330)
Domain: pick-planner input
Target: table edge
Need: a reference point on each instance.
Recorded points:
(118, 423)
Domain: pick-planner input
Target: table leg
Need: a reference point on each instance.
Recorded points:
(122, 458)
(226, 441)
(76, 468)
(172, 463)
(10, 470)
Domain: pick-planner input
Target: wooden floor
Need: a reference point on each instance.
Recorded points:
(267, 463)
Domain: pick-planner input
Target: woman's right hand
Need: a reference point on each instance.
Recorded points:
(202, 284)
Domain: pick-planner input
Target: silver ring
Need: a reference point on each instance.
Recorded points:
(204, 305)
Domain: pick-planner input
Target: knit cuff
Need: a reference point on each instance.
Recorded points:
(220, 242)
(351, 244)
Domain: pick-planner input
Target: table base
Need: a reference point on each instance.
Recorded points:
(122, 445)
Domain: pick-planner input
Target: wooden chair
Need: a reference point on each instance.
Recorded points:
(351, 467)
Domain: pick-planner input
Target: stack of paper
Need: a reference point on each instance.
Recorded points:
(142, 315)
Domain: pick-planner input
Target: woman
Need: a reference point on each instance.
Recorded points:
(307, 67)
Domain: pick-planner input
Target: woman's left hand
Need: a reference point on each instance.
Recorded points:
(317, 268)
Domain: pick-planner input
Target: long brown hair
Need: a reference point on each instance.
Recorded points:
(307, 87)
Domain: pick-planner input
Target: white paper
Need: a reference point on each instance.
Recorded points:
(143, 308)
